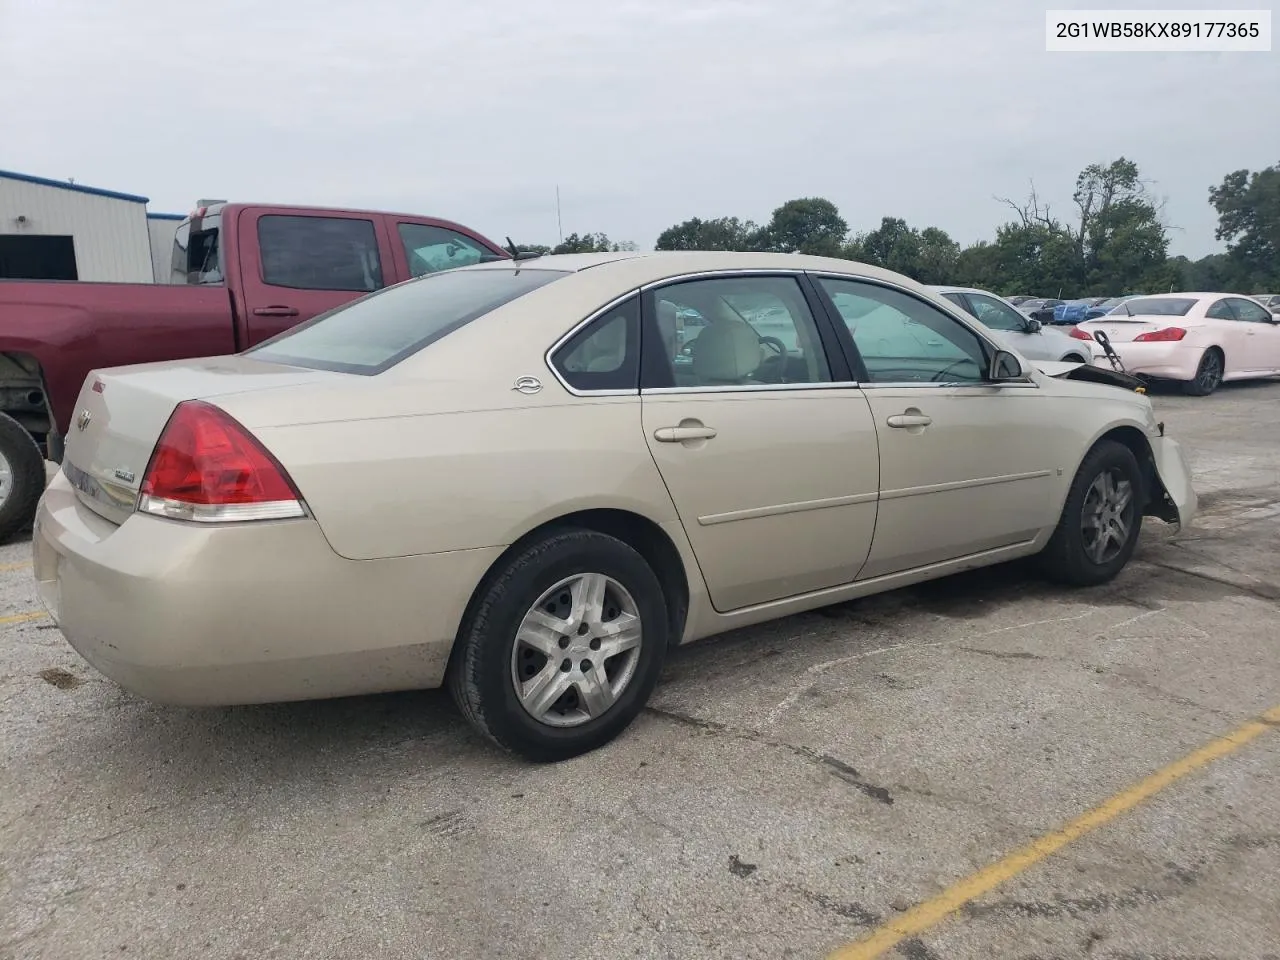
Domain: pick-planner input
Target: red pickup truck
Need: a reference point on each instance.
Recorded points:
(241, 273)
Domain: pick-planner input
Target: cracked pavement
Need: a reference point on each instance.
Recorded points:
(790, 787)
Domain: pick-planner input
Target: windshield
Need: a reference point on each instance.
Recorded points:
(376, 332)
(1155, 307)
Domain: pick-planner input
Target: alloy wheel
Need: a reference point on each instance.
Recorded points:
(1107, 517)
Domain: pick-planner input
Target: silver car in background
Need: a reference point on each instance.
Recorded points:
(1028, 337)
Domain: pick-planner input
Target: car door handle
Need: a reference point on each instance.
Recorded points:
(909, 420)
(681, 434)
(275, 311)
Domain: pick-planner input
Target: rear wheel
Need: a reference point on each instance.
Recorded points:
(1100, 522)
(1208, 375)
(21, 477)
(562, 648)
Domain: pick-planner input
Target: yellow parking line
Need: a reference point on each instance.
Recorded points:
(15, 566)
(931, 912)
(23, 617)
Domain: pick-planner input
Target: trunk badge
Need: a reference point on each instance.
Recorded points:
(123, 475)
(527, 385)
(83, 420)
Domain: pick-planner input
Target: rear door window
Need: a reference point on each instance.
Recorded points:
(319, 253)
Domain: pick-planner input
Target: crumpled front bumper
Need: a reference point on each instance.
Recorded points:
(1174, 474)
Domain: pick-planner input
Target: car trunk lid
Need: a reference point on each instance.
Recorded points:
(122, 411)
(1124, 329)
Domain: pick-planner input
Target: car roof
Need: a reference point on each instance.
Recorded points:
(643, 267)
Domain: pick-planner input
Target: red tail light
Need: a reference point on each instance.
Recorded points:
(207, 467)
(1080, 334)
(1161, 336)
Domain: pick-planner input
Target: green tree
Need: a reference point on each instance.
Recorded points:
(722, 233)
(590, 243)
(807, 225)
(1248, 206)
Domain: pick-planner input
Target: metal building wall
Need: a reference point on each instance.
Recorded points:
(112, 241)
(162, 227)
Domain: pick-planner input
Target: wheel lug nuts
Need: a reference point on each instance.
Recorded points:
(564, 642)
(583, 629)
(586, 665)
(595, 643)
(566, 665)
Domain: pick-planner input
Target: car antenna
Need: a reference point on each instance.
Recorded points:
(517, 253)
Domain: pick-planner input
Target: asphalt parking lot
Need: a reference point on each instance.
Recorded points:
(792, 789)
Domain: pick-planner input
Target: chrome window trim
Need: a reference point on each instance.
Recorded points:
(577, 328)
(753, 388)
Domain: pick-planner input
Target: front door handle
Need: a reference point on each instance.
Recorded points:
(275, 311)
(681, 434)
(909, 420)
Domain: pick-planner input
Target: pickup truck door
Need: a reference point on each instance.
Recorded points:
(296, 264)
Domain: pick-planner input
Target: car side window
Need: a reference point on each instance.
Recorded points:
(1250, 312)
(902, 339)
(319, 253)
(959, 300)
(428, 249)
(1220, 311)
(734, 331)
(996, 315)
(605, 354)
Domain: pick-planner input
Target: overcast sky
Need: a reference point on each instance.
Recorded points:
(644, 112)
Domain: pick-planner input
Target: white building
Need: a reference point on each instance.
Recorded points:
(59, 230)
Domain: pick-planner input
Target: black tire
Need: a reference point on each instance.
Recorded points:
(1065, 558)
(480, 670)
(26, 470)
(1208, 374)
(1072, 358)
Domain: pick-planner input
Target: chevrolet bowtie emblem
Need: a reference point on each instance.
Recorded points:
(83, 420)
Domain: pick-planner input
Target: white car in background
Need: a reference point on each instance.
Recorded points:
(1197, 339)
(1028, 337)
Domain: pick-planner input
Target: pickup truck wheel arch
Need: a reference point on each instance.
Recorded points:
(22, 477)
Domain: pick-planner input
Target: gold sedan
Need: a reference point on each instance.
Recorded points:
(530, 479)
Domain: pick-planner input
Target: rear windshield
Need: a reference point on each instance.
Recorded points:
(376, 332)
(1156, 307)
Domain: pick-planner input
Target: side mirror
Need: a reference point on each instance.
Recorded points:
(1005, 367)
(1034, 325)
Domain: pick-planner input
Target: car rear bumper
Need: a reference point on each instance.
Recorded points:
(1172, 361)
(244, 613)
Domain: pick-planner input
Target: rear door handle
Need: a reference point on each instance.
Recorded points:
(275, 311)
(909, 420)
(681, 434)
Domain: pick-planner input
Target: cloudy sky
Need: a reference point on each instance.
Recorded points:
(644, 112)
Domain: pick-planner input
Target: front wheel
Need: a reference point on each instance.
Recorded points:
(562, 647)
(1101, 519)
(1208, 374)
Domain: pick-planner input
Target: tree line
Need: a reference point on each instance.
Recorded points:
(1113, 240)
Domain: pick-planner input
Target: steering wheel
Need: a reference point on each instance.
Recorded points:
(937, 377)
(776, 344)
(766, 369)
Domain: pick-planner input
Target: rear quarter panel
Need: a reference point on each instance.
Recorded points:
(71, 327)
(429, 483)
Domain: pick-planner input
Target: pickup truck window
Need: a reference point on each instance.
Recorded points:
(428, 249)
(197, 254)
(319, 253)
(376, 332)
